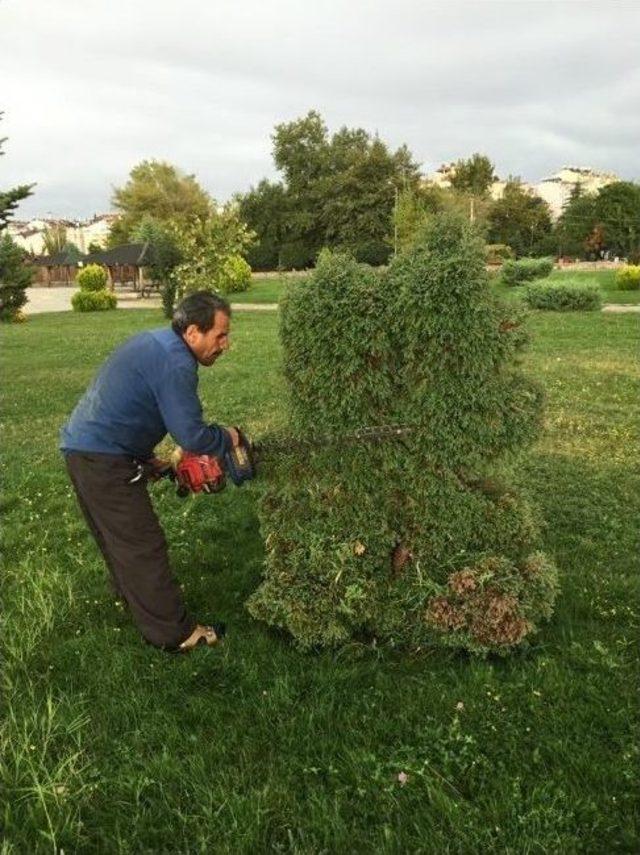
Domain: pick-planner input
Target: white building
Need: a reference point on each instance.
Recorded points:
(556, 190)
(30, 234)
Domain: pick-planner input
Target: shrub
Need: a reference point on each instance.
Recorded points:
(628, 278)
(373, 252)
(563, 298)
(93, 301)
(498, 253)
(235, 275)
(412, 542)
(526, 269)
(93, 277)
(15, 276)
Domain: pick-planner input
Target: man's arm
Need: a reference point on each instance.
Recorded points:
(177, 397)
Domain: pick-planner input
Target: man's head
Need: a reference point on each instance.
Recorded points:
(202, 320)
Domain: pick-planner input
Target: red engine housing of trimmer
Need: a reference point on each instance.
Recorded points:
(199, 473)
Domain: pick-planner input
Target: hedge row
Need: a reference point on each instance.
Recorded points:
(526, 269)
(563, 298)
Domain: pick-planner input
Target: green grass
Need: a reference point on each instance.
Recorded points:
(604, 279)
(262, 290)
(112, 746)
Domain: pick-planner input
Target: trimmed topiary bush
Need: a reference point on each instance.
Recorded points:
(93, 301)
(526, 269)
(563, 298)
(235, 275)
(93, 277)
(415, 541)
(628, 277)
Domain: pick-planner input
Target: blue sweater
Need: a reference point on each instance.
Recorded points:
(147, 388)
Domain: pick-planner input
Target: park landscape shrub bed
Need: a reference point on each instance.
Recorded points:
(412, 541)
(563, 298)
(525, 270)
(628, 277)
(93, 295)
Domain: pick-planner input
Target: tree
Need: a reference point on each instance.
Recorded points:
(159, 190)
(520, 220)
(474, 175)
(265, 210)
(54, 238)
(15, 276)
(337, 191)
(412, 541)
(209, 247)
(609, 220)
(165, 255)
(617, 207)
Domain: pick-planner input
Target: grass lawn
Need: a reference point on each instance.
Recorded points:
(262, 290)
(112, 746)
(604, 279)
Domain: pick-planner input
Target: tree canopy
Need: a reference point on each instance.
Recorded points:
(473, 175)
(520, 220)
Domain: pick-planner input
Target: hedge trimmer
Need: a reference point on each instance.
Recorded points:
(202, 473)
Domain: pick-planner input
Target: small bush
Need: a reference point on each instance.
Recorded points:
(628, 278)
(563, 298)
(93, 301)
(498, 253)
(235, 275)
(93, 277)
(526, 269)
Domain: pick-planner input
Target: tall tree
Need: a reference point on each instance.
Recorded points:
(338, 191)
(577, 221)
(618, 210)
(473, 175)
(54, 238)
(159, 190)
(14, 274)
(265, 209)
(520, 220)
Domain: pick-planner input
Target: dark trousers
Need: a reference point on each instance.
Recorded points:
(125, 526)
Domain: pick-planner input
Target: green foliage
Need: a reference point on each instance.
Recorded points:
(525, 269)
(93, 277)
(54, 239)
(563, 298)
(208, 248)
(628, 277)
(159, 190)
(94, 246)
(608, 221)
(93, 301)
(338, 191)
(165, 255)
(15, 276)
(498, 253)
(235, 276)
(10, 199)
(520, 220)
(93, 295)
(408, 540)
(473, 175)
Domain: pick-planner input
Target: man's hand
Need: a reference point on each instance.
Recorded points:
(206, 634)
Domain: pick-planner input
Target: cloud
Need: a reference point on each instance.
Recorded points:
(90, 89)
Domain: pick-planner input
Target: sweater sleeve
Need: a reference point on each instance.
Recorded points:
(177, 396)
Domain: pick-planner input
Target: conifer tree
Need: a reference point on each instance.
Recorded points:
(416, 541)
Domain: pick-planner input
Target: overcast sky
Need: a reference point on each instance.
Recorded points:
(91, 87)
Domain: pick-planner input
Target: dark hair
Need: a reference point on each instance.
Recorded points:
(200, 309)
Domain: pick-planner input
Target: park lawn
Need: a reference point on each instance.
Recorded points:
(112, 746)
(265, 289)
(604, 279)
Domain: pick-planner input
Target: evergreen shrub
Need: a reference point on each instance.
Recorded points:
(235, 275)
(93, 301)
(414, 541)
(563, 298)
(93, 277)
(526, 269)
(15, 276)
(628, 277)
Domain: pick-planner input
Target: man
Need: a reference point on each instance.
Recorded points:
(146, 389)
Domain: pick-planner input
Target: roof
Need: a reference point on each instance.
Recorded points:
(134, 254)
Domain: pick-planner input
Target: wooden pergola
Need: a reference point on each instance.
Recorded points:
(125, 266)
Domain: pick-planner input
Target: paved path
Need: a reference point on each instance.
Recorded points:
(59, 300)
